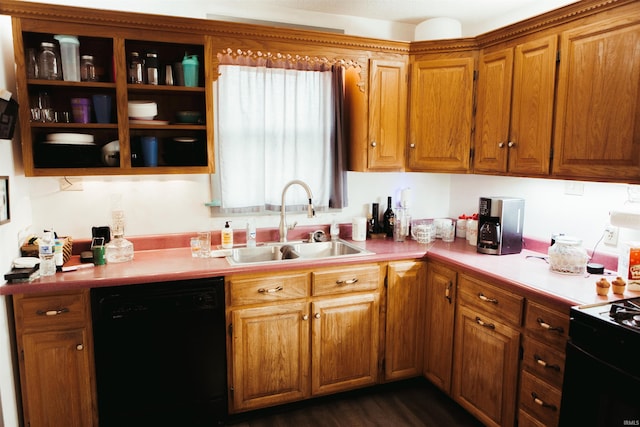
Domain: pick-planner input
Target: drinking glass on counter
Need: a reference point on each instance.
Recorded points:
(201, 245)
(423, 231)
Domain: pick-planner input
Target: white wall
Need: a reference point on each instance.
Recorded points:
(11, 166)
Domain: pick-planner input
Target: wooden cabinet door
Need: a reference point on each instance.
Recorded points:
(440, 318)
(387, 115)
(515, 109)
(406, 283)
(345, 339)
(441, 114)
(597, 131)
(270, 355)
(485, 372)
(494, 111)
(530, 132)
(56, 379)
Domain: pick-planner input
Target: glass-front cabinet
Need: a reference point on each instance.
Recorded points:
(112, 101)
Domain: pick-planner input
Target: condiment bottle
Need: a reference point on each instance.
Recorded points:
(151, 65)
(227, 236)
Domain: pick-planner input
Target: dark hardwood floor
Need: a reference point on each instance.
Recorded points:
(407, 403)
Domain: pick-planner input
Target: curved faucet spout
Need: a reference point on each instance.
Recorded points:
(283, 209)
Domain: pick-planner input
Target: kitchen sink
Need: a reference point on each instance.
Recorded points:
(290, 251)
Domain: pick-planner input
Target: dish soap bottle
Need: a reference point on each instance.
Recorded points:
(227, 236)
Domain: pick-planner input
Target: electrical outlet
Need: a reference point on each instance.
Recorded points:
(70, 184)
(611, 235)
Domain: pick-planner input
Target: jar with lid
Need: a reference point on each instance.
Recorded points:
(87, 69)
(151, 66)
(136, 72)
(568, 256)
(48, 62)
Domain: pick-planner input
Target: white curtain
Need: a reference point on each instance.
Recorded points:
(274, 125)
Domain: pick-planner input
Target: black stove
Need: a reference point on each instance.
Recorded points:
(602, 369)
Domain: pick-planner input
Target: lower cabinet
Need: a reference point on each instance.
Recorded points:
(439, 325)
(55, 357)
(406, 286)
(486, 351)
(304, 339)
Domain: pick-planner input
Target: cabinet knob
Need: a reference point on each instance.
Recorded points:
(305, 317)
(373, 143)
(317, 315)
(500, 144)
(487, 299)
(511, 144)
(540, 361)
(80, 347)
(412, 145)
(447, 291)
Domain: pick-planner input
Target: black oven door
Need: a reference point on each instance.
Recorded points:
(598, 394)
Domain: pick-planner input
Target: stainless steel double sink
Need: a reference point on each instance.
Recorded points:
(299, 250)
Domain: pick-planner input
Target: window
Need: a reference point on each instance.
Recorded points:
(275, 125)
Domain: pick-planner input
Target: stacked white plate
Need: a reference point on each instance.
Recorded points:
(142, 110)
(69, 139)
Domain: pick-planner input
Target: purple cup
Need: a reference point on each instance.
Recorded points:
(81, 110)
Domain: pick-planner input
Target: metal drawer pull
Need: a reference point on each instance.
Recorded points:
(558, 329)
(486, 325)
(447, 291)
(541, 362)
(542, 403)
(487, 299)
(346, 282)
(52, 312)
(271, 290)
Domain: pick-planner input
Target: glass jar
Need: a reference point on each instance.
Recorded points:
(48, 63)
(568, 256)
(136, 72)
(87, 69)
(151, 66)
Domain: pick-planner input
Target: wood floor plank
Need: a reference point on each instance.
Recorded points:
(412, 403)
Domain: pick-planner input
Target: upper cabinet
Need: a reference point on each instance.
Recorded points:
(515, 108)
(597, 133)
(441, 113)
(380, 145)
(109, 138)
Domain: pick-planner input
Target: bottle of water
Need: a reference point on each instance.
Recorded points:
(46, 250)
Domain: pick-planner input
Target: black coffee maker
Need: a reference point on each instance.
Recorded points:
(500, 225)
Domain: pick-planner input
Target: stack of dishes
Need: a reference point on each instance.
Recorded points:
(67, 150)
(144, 113)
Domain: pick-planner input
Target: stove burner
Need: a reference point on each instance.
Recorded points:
(626, 313)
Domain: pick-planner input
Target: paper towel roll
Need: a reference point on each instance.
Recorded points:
(625, 219)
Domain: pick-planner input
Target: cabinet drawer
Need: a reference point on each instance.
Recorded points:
(274, 287)
(543, 361)
(51, 311)
(540, 399)
(526, 420)
(494, 301)
(548, 326)
(350, 279)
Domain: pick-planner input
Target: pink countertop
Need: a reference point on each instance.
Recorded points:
(524, 272)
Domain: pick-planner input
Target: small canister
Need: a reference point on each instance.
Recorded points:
(151, 65)
(87, 69)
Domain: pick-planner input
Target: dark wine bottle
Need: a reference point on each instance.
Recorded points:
(374, 223)
(388, 219)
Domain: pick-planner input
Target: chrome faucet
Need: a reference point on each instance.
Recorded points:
(283, 212)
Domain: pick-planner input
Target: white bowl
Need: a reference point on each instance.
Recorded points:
(70, 137)
(143, 110)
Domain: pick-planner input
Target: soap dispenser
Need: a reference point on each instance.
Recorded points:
(227, 236)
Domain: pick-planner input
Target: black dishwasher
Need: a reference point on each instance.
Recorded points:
(160, 353)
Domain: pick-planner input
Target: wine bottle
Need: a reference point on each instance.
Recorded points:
(374, 223)
(388, 219)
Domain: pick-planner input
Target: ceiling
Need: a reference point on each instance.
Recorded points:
(415, 11)
(475, 16)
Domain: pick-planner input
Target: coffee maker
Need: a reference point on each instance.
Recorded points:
(500, 225)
